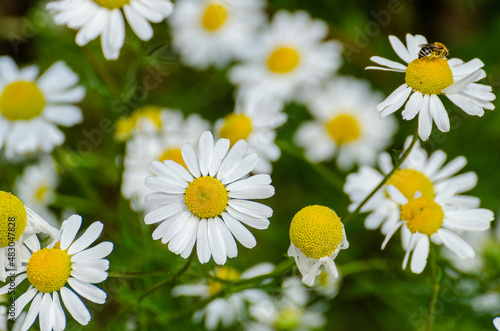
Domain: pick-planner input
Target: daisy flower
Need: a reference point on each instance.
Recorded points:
(288, 58)
(65, 261)
(426, 78)
(231, 309)
(36, 187)
(31, 108)
(419, 172)
(291, 311)
(159, 144)
(431, 219)
(207, 203)
(207, 32)
(94, 18)
(344, 124)
(316, 237)
(18, 227)
(144, 119)
(256, 121)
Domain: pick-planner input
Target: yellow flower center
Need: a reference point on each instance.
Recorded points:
(125, 125)
(422, 215)
(49, 269)
(224, 273)
(13, 218)
(317, 231)
(236, 127)
(21, 101)
(41, 193)
(409, 181)
(283, 60)
(173, 154)
(343, 129)
(429, 75)
(112, 4)
(214, 17)
(206, 197)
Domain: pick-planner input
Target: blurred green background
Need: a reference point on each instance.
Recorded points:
(382, 297)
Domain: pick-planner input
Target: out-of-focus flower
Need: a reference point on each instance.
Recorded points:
(142, 120)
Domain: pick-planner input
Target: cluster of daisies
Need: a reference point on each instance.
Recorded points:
(196, 180)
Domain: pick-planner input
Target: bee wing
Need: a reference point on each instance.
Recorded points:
(424, 45)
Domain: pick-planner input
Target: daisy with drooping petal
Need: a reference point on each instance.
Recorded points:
(256, 121)
(65, 261)
(419, 172)
(36, 188)
(94, 18)
(31, 108)
(345, 124)
(232, 308)
(152, 143)
(288, 58)
(208, 203)
(431, 219)
(207, 32)
(426, 78)
(18, 227)
(316, 237)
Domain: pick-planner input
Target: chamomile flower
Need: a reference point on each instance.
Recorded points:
(94, 18)
(149, 143)
(207, 32)
(36, 187)
(431, 219)
(49, 270)
(345, 124)
(18, 227)
(31, 108)
(289, 57)
(144, 119)
(229, 309)
(426, 78)
(208, 203)
(316, 237)
(419, 172)
(256, 121)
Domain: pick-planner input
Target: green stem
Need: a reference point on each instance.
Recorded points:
(436, 279)
(382, 183)
(322, 170)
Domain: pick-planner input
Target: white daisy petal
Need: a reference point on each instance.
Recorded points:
(32, 312)
(251, 208)
(397, 103)
(75, 306)
(68, 235)
(383, 69)
(396, 195)
(462, 83)
(191, 160)
(451, 168)
(87, 290)
(393, 97)
(466, 104)
(58, 316)
(241, 233)
(456, 244)
(97, 252)
(400, 49)
(232, 159)
(256, 223)
(23, 300)
(89, 236)
(229, 243)
(425, 119)
(206, 147)
(220, 151)
(388, 63)
(413, 106)
(247, 164)
(466, 225)
(138, 23)
(420, 254)
(202, 247)
(439, 114)
(216, 242)
(45, 315)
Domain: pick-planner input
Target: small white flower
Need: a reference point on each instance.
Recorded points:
(36, 187)
(94, 18)
(65, 261)
(316, 237)
(256, 121)
(288, 58)
(428, 77)
(233, 308)
(431, 219)
(208, 32)
(496, 323)
(160, 144)
(31, 108)
(208, 204)
(344, 124)
(419, 172)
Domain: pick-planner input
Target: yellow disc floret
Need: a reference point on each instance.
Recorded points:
(125, 125)
(214, 17)
(112, 4)
(21, 101)
(224, 273)
(49, 269)
(283, 60)
(317, 231)
(13, 218)
(206, 197)
(343, 128)
(236, 127)
(409, 181)
(429, 75)
(173, 154)
(422, 215)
